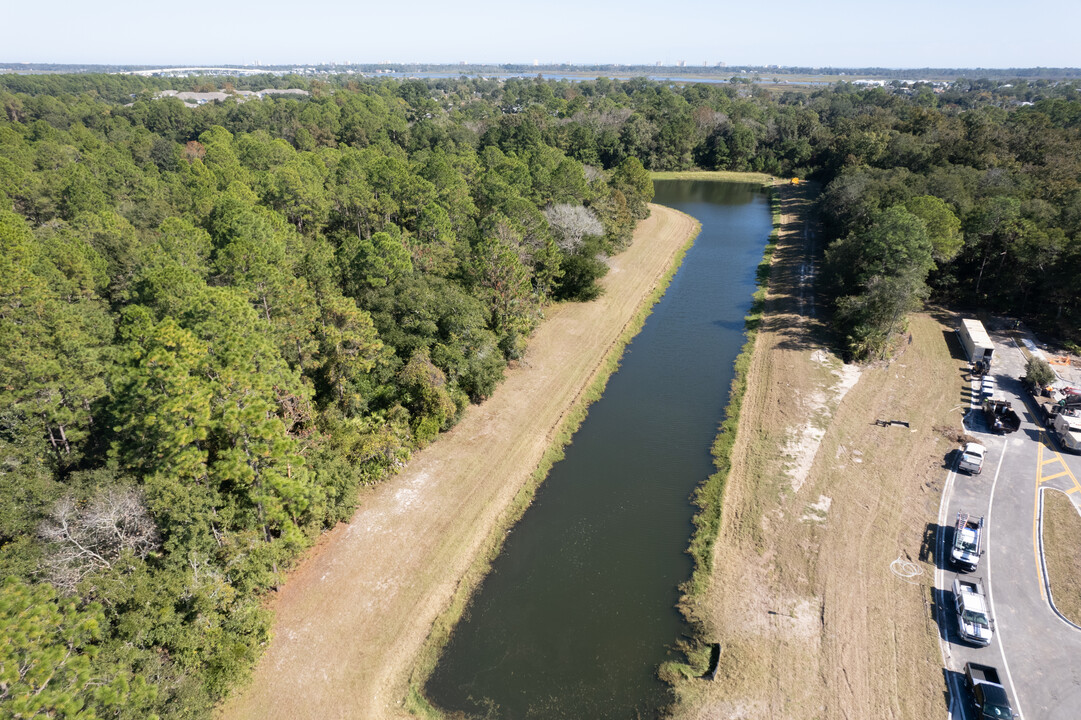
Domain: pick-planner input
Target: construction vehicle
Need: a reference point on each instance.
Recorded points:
(1051, 401)
(1046, 407)
(967, 539)
(988, 694)
(973, 617)
(1067, 430)
(1050, 407)
(1001, 418)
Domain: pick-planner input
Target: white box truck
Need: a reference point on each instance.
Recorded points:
(977, 343)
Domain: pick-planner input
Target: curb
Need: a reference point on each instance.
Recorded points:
(1043, 561)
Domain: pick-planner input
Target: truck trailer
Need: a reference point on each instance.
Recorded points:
(977, 343)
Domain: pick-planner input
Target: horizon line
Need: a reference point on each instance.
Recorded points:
(685, 66)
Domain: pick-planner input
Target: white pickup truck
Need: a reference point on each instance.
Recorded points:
(967, 538)
(973, 616)
(1067, 428)
(972, 455)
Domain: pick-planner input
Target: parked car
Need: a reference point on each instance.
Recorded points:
(972, 455)
(973, 615)
(988, 694)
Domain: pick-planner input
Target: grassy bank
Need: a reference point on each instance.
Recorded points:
(710, 495)
(415, 701)
(714, 175)
(805, 618)
(1062, 553)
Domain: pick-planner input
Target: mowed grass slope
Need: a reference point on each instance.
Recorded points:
(822, 572)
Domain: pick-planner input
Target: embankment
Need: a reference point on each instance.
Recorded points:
(354, 616)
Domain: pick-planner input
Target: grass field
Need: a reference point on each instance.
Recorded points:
(1062, 553)
(819, 507)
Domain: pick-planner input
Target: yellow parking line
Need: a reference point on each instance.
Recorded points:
(1065, 472)
(1048, 462)
(1036, 525)
(1074, 489)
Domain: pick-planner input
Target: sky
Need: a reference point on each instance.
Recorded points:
(828, 33)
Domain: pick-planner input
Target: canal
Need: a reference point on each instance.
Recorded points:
(579, 608)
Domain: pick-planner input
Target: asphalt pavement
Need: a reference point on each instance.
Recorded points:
(1037, 652)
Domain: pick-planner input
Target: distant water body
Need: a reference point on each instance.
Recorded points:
(675, 79)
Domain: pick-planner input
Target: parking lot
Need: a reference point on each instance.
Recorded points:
(1035, 650)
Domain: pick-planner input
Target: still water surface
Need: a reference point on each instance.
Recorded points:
(579, 609)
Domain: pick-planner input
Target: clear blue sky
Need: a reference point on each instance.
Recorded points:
(840, 33)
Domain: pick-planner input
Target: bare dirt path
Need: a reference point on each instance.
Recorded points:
(352, 617)
(822, 576)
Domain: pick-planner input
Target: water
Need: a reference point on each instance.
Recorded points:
(763, 79)
(579, 609)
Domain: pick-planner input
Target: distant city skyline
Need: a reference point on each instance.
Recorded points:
(831, 33)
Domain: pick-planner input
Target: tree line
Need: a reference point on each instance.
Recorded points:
(213, 330)
(216, 323)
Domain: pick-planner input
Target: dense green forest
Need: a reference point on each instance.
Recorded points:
(216, 323)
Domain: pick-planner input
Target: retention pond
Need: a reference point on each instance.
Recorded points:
(579, 609)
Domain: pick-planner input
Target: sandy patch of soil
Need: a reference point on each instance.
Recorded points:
(354, 614)
(818, 407)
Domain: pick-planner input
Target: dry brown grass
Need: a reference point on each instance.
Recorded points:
(1062, 553)
(354, 615)
(714, 175)
(819, 505)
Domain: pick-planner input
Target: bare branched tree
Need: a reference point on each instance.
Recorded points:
(707, 119)
(592, 173)
(613, 118)
(91, 537)
(571, 223)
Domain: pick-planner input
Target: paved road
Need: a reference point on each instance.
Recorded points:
(1039, 652)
